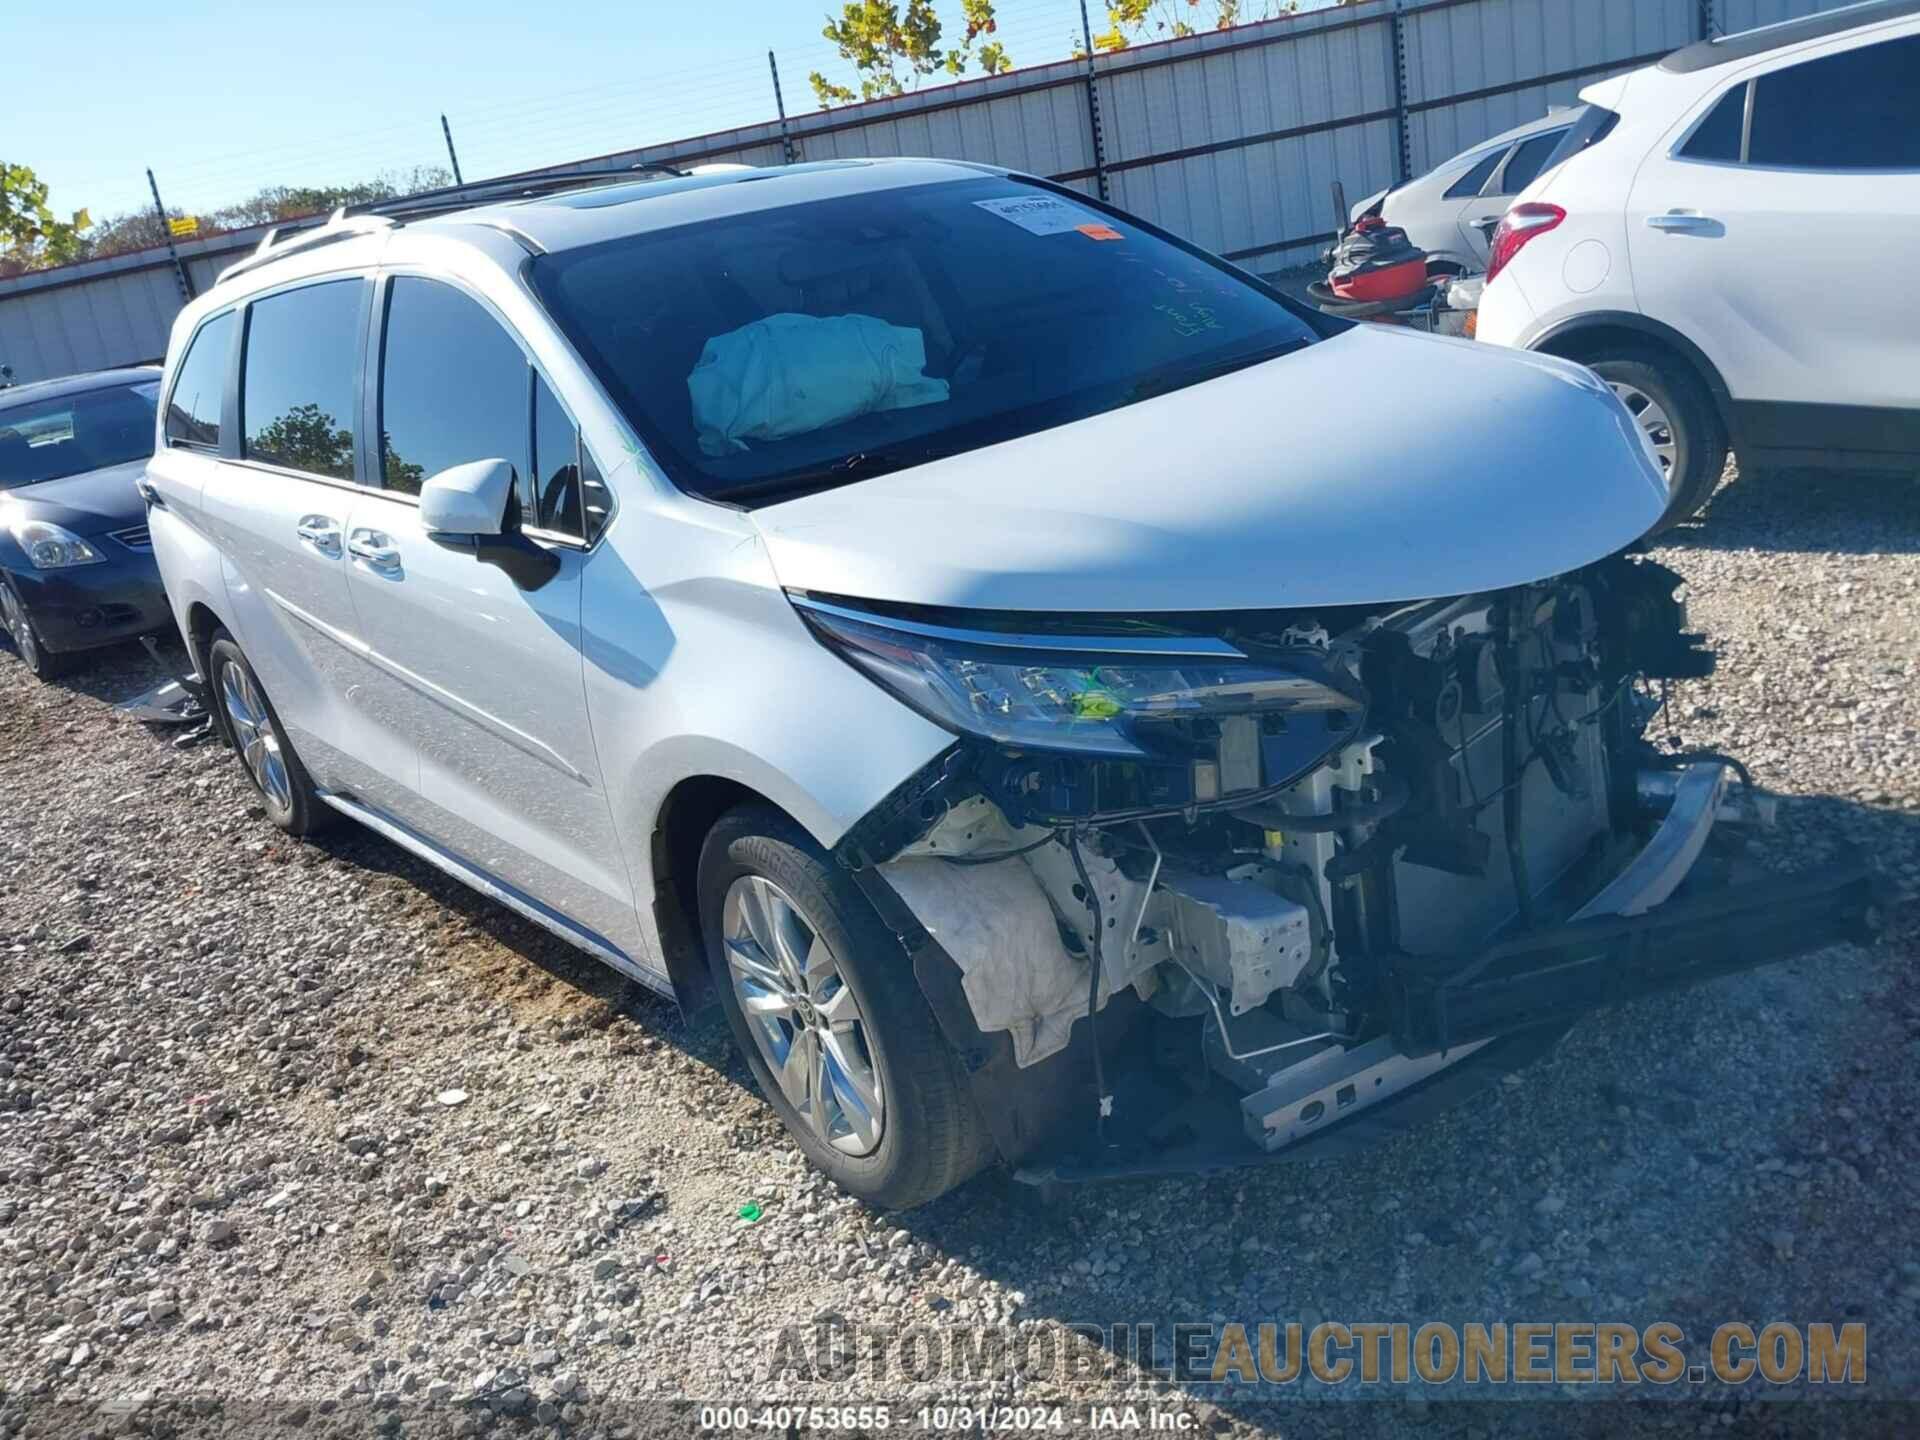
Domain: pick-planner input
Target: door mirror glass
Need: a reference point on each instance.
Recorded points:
(469, 499)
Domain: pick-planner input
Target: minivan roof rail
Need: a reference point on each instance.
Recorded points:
(506, 187)
(371, 216)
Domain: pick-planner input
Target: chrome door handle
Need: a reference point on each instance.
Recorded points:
(145, 489)
(1683, 222)
(376, 549)
(321, 532)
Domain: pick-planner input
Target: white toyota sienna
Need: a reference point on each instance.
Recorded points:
(1068, 705)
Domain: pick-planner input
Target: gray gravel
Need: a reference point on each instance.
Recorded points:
(310, 1127)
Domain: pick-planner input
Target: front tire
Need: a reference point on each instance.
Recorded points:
(825, 1007)
(1676, 415)
(247, 719)
(42, 662)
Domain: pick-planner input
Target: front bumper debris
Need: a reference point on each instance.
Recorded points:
(1458, 1023)
(1555, 975)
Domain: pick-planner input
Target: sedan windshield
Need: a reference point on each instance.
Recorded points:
(70, 435)
(797, 348)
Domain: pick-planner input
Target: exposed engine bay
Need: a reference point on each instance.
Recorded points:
(1377, 843)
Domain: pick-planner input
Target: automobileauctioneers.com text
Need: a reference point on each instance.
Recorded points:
(1333, 1353)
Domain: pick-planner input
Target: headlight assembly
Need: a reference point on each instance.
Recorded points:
(49, 547)
(1107, 696)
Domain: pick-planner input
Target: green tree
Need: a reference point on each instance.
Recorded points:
(892, 50)
(305, 439)
(31, 236)
(1131, 22)
(270, 205)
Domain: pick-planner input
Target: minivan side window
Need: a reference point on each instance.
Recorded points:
(193, 409)
(566, 504)
(453, 388)
(298, 381)
(1858, 110)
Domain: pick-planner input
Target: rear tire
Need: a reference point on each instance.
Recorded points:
(42, 662)
(246, 718)
(1673, 408)
(884, 1046)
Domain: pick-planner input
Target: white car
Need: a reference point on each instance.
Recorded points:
(1449, 211)
(994, 647)
(1730, 241)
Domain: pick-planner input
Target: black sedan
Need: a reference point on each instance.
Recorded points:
(76, 566)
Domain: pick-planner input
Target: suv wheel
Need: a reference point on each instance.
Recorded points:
(1677, 420)
(245, 716)
(26, 642)
(825, 1007)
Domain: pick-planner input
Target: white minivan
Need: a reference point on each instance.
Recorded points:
(1009, 658)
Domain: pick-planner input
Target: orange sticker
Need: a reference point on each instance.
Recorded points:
(1099, 232)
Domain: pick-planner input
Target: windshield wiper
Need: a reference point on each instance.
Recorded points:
(859, 463)
(1180, 379)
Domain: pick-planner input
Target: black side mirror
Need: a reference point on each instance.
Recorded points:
(526, 564)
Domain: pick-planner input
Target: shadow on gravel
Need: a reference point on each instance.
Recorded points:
(542, 978)
(1810, 511)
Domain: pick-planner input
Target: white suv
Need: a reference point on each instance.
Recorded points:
(945, 618)
(1729, 238)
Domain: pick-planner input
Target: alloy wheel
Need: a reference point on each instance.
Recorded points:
(19, 627)
(254, 735)
(1655, 427)
(803, 1015)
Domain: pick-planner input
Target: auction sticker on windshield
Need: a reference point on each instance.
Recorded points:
(1040, 214)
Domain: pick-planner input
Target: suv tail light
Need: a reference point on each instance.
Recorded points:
(1516, 228)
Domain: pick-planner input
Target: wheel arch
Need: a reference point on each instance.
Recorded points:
(1586, 335)
(201, 623)
(680, 828)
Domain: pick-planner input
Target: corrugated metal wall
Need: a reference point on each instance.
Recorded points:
(1231, 138)
(105, 312)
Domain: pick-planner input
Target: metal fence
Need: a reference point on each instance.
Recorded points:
(1231, 138)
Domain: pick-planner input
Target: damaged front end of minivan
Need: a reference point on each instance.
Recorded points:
(1305, 875)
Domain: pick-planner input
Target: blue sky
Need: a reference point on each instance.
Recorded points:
(222, 99)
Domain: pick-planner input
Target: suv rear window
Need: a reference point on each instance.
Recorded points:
(299, 380)
(807, 346)
(1528, 161)
(1719, 136)
(1475, 180)
(1858, 110)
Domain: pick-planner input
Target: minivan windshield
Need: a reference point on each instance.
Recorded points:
(792, 349)
(70, 435)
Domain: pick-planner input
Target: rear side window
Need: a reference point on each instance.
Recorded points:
(299, 382)
(1858, 110)
(193, 410)
(1475, 180)
(1718, 136)
(453, 388)
(1528, 161)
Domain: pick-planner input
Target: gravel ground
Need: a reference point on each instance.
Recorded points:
(291, 1130)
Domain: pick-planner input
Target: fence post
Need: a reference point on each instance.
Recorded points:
(786, 135)
(184, 280)
(1093, 109)
(447, 130)
(1399, 42)
(1706, 26)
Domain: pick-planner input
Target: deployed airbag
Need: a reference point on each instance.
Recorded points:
(790, 374)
